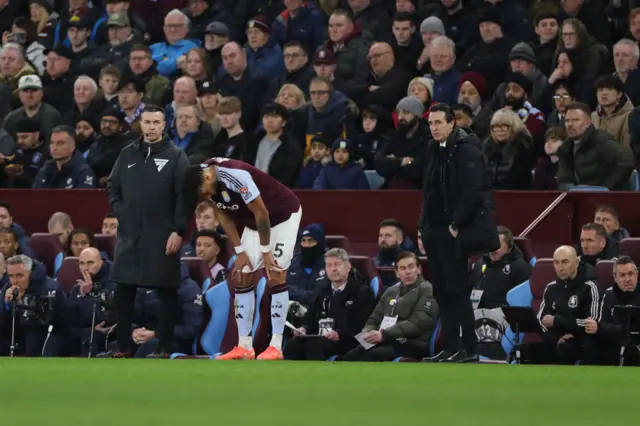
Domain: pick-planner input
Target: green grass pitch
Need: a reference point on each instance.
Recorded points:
(70, 392)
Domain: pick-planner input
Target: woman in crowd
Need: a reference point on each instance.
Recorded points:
(208, 98)
(572, 68)
(290, 96)
(42, 14)
(508, 152)
(421, 88)
(574, 37)
(562, 96)
(197, 66)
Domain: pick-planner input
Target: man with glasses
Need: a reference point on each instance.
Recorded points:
(386, 83)
(171, 55)
(141, 64)
(299, 71)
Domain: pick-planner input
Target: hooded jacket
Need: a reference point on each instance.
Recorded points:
(495, 279)
(75, 174)
(416, 309)
(307, 271)
(616, 124)
(570, 302)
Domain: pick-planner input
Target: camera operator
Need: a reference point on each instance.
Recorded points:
(605, 334)
(95, 290)
(188, 314)
(38, 303)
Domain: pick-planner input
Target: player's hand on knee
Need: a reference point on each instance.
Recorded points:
(242, 261)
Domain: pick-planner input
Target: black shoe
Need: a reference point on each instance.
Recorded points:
(442, 355)
(451, 358)
(463, 357)
(113, 354)
(158, 355)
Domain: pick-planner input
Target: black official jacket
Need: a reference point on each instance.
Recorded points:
(145, 193)
(349, 309)
(570, 302)
(496, 279)
(464, 193)
(610, 323)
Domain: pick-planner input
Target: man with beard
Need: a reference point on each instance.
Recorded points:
(113, 137)
(394, 161)
(517, 92)
(307, 268)
(455, 222)
(523, 61)
(590, 156)
(472, 90)
(606, 332)
(596, 244)
(390, 242)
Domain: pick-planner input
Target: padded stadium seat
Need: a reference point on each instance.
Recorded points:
(385, 272)
(604, 272)
(198, 270)
(520, 295)
(365, 266)
(631, 247)
(221, 333)
(374, 179)
(107, 244)
(339, 241)
(635, 180)
(69, 273)
(588, 188)
(541, 275)
(365, 249)
(524, 244)
(46, 248)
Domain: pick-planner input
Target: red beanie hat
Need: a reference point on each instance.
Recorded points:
(478, 82)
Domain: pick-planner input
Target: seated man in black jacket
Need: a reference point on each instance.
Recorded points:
(605, 333)
(96, 293)
(38, 303)
(567, 303)
(338, 311)
(188, 318)
(495, 273)
(596, 244)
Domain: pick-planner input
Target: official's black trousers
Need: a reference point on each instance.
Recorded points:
(313, 349)
(450, 279)
(126, 298)
(385, 352)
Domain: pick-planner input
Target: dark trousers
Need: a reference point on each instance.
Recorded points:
(313, 349)
(80, 342)
(31, 343)
(385, 352)
(601, 352)
(126, 298)
(450, 278)
(552, 352)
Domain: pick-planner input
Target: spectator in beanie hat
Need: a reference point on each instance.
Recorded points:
(342, 172)
(518, 90)
(421, 88)
(472, 92)
(522, 60)
(264, 55)
(319, 156)
(430, 29)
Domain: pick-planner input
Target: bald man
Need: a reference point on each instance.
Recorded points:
(567, 302)
(185, 93)
(96, 279)
(237, 79)
(386, 83)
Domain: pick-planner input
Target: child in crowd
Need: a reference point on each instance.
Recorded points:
(343, 172)
(109, 81)
(374, 135)
(545, 175)
(319, 156)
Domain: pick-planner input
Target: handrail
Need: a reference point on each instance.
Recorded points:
(543, 215)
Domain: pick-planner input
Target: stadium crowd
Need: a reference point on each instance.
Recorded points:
(321, 95)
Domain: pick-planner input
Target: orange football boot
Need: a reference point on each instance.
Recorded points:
(237, 353)
(271, 354)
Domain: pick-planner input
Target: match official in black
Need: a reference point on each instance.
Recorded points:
(145, 193)
(456, 221)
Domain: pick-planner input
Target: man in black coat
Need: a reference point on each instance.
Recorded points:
(455, 222)
(145, 193)
(337, 312)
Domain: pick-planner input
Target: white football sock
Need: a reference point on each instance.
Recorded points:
(244, 305)
(279, 310)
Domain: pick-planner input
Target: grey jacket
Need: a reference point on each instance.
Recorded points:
(417, 313)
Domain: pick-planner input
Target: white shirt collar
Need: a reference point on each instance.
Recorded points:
(339, 289)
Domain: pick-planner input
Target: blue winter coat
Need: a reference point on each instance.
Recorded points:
(307, 27)
(76, 174)
(445, 86)
(302, 282)
(267, 62)
(348, 176)
(308, 174)
(166, 55)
